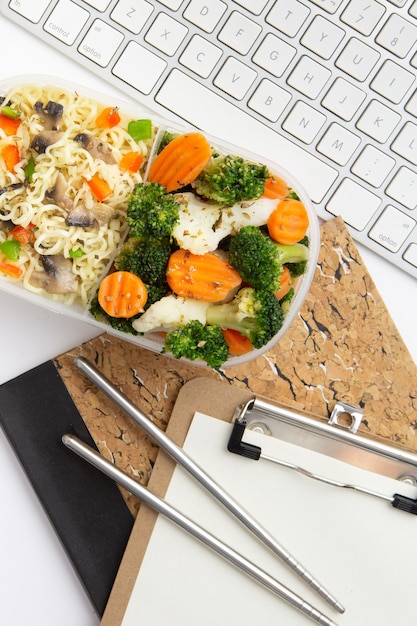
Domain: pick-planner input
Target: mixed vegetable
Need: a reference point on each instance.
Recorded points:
(218, 243)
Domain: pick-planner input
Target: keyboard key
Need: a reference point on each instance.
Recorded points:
(200, 56)
(66, 21)
(411, 105)
(235, 78)
(133, 57)
(132, 17)
(397, 35)
(392, 81)
(343, 99)
(239, 33)
(378, 121)
(330, 6)
(338, 144)
(413, 9)
(392, 228)
(403, 188)
(100, 43)
(274, 55)
(363, 15)
(179, 93)
(410, 255)
(205, 16)
(304, 122)
(171, 4)
(269, 100)
(357, 59)
(166, 34)
(288, 16)
(254, 6)
(32, 10)
(373, 166)
(355, 204)
(405, 143)
(322, 37)
(309, 77)
(100, 5)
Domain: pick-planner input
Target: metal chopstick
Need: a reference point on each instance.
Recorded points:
(161, 506)
(181, 457)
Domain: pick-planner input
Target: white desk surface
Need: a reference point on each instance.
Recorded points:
(37, 582)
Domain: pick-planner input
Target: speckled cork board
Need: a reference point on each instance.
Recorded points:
(342, 346)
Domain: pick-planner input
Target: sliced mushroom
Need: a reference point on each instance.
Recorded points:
(51, 114)
(11, 187)
(58, 191)
(44, 139)
(95, 217)
(57, 276)
(96, 147)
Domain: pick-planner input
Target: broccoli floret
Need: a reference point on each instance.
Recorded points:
(147, 258)
(118, 323)
(293, 195)
(230, 179)
(298, 269)
(256, 314)
(286, 301)
(196, 341)
(259, 259)
(151, 212)
(155, 293)
(166, 138)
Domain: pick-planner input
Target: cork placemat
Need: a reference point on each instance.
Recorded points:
(343, 346)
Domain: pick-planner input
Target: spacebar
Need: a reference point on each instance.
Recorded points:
(206, 110)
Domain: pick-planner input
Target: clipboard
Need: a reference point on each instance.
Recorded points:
(214, 401)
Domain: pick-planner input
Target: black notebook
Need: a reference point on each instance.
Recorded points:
(85, 507)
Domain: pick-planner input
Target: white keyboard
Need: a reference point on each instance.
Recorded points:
(327, 88)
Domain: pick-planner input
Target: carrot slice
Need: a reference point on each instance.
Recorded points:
(131, 162)
(108, 118)
(238, 344)
(11, 156)
(99, 187)
(122, 294)
(9, 125)
(275, 188)
(288, 223)
(204, 277)
(181, 161)
(14, 271)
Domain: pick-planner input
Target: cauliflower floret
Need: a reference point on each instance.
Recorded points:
(202, 225)
(170, 313)
(199, 229)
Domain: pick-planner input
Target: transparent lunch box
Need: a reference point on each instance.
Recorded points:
(154, 341)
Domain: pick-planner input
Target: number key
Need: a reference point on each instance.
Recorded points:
(397, 35)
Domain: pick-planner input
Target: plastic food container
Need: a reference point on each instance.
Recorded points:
(81, 107)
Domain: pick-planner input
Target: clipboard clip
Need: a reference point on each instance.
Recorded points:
(342, 410)
(236, 445)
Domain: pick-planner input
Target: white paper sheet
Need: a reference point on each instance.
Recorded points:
(360, 547)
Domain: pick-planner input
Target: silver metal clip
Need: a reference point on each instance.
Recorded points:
(348, 412)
